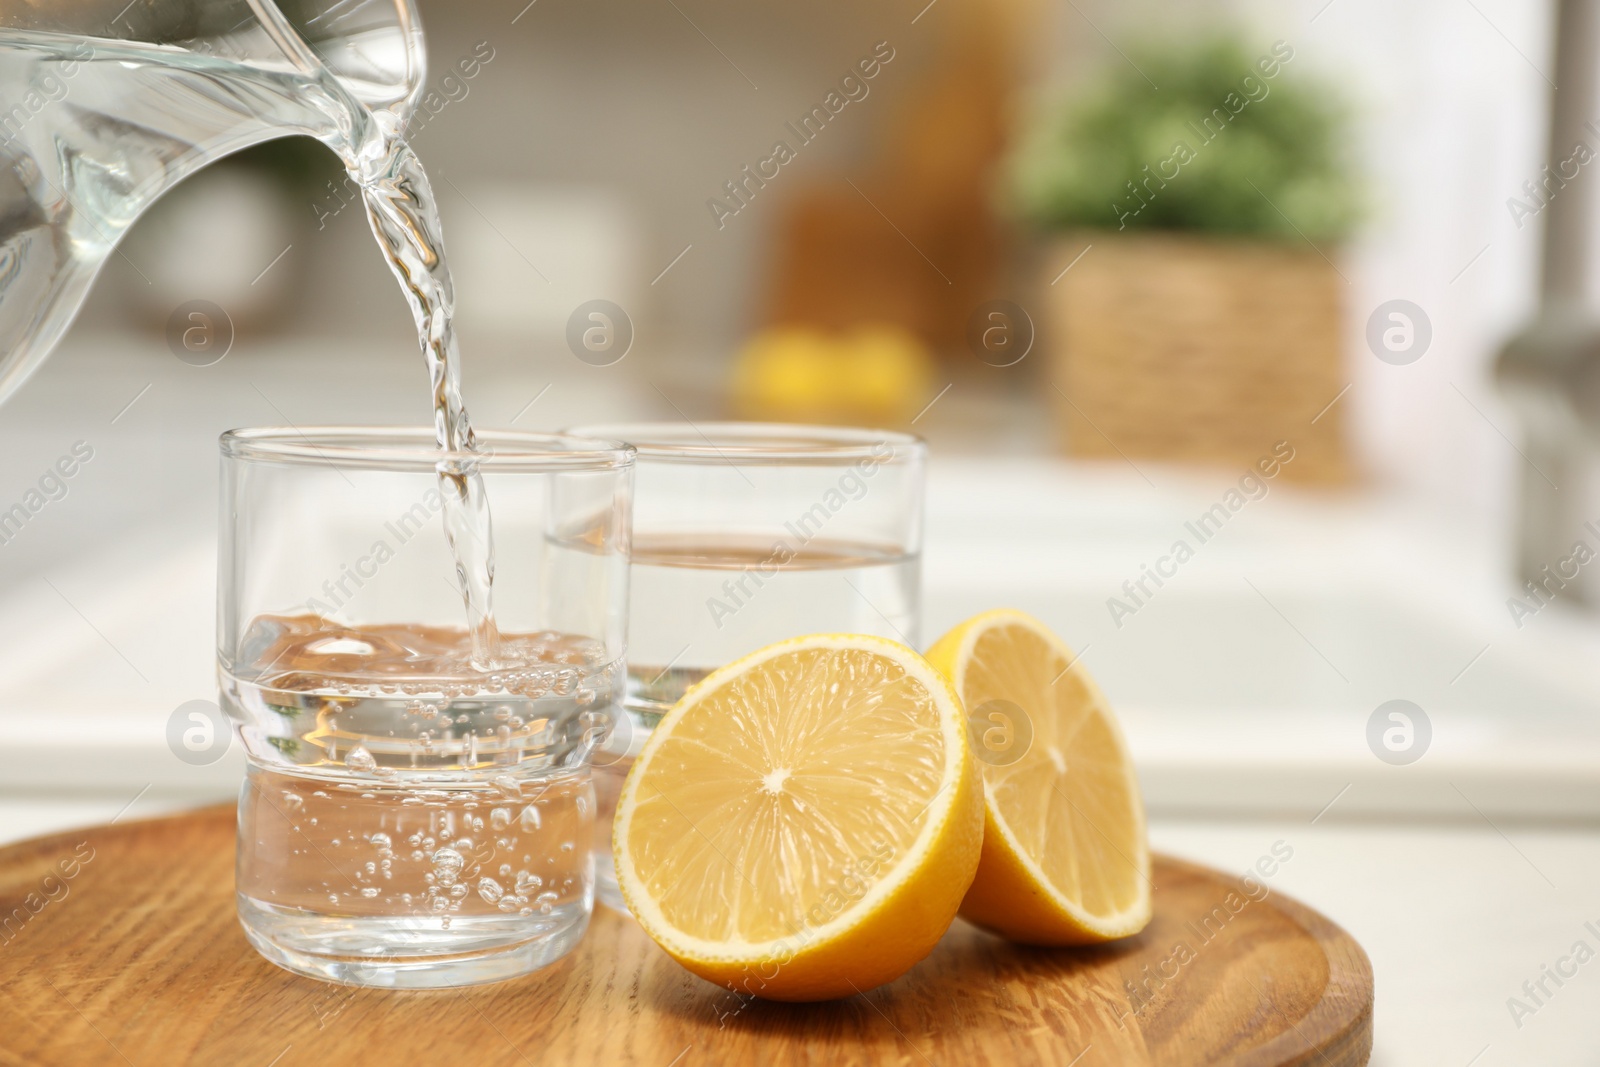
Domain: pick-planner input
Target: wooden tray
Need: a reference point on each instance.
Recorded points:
(137, 959)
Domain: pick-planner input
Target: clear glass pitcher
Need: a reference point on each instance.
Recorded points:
(106, 104)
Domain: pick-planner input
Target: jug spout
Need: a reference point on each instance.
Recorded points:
(104, 106)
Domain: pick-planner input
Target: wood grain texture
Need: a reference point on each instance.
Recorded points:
(136, 958)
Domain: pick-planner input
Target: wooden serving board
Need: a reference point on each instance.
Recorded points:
(136, 958)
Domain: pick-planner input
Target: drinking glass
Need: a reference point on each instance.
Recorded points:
(413, 816)
(749, 533)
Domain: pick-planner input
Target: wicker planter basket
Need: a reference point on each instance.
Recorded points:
(1198, 350)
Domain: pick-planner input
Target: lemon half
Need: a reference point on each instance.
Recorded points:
(1065, 855)
(804, 823)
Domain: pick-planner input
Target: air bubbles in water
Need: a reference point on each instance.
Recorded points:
(447, 864)
(360, 760)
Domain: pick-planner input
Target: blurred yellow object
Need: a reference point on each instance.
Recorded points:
(783, 369)
(889, 371)
(876, 373)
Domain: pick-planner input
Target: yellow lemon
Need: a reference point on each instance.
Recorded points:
(889, 373)
(785, 372)
(1065, 859)
(803, 824)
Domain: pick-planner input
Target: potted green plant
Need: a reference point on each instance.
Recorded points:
(1194, 198)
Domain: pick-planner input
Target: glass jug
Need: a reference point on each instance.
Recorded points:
(106, 104)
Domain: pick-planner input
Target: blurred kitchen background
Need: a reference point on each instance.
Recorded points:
(1351, 238)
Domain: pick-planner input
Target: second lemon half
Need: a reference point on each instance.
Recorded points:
(1065, 858)
(804, 823)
